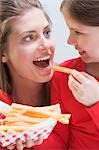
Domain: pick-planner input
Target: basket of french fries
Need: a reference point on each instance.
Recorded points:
(18, 120)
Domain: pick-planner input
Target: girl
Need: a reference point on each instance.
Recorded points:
(78, 93)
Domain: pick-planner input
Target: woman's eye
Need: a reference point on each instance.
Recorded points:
(47, 34)
(28, 37)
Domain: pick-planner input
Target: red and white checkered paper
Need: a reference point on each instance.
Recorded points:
(44, 128)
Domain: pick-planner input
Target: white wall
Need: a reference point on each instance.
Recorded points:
(60, 31)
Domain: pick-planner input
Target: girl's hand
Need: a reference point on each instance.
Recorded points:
(28, 144)
(84, 87)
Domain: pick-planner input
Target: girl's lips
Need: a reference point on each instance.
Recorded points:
(81, 53)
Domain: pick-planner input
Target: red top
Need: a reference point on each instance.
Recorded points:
(83, 131)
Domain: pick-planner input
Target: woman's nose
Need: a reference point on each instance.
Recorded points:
(45, 44)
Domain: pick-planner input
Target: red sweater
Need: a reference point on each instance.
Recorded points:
(83, 131)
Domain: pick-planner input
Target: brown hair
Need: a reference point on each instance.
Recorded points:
(84, 11)
(9, 9)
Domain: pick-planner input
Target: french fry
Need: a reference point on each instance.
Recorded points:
(30, 111)
(20, 123)
(22, 117)
(34, 114)
(44, 113)
(62, 69)
(6, 128)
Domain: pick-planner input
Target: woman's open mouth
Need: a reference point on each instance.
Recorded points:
(42, 62)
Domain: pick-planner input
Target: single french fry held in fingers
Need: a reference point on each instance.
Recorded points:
(62, 69)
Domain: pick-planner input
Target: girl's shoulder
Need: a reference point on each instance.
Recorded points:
(74, 63)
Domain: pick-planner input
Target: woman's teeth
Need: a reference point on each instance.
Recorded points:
(43, 58)
(42, 62)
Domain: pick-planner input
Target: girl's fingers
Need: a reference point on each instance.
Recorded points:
(88, 76)
(79, 76)
(73, 82)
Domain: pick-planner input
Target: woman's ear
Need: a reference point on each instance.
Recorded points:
(4, 58)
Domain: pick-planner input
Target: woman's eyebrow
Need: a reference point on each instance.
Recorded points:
(48, 27)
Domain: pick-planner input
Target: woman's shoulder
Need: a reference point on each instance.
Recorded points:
(5, 97)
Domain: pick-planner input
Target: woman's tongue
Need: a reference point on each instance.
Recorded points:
(41, 64)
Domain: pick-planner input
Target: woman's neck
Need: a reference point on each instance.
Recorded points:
(28, 93)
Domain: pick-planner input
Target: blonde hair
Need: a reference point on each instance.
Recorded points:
(9, 9)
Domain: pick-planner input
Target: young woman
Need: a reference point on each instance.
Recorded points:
(26, 55)
(78, 93)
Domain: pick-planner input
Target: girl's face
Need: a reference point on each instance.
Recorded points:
(30, 48)
(84, 38)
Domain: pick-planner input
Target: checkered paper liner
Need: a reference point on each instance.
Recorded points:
(44, 128)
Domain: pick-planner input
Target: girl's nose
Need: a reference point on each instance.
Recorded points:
(72, 40)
